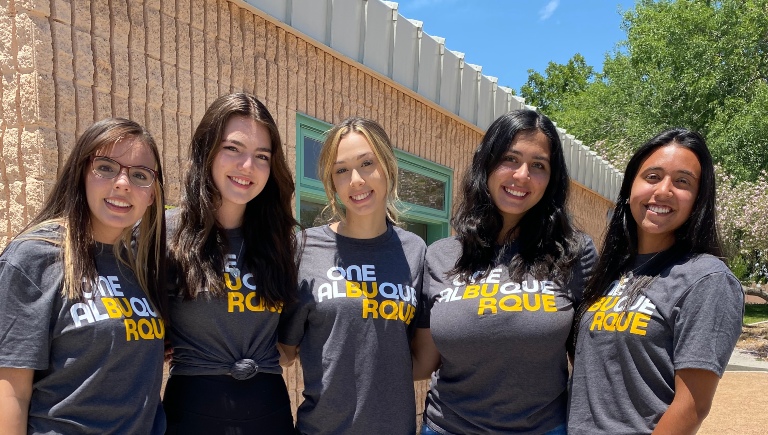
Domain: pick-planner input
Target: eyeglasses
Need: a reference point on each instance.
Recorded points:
(140, 176)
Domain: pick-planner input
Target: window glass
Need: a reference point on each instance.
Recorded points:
(417, 228)
(421, 190)
(311, 155)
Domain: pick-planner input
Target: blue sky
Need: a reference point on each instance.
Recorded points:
(509, 37)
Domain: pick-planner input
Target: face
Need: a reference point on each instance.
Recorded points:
(117, 204)
(359, 179)
(663, 195)
(520, 180)
(241, 166)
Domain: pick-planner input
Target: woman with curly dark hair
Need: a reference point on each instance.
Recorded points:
(503, 291)
(662, 313)
(233, 245)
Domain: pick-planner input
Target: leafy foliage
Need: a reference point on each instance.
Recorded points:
(700, 64)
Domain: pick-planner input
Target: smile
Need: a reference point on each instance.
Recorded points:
(117, 203)
(516, 193)
(658, 209)
(241, 181)
(361, 196)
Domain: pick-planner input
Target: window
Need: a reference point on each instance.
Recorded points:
(425, 187)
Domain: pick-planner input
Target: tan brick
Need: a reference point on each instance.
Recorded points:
(168, 41)
(260, 36)
(46, 100)
(10, 87)
(154, 33)
(211, 18)
(238, 71)
(7, 52)
(170, 132)
(261, 79)
(102, 79)
(185, 93)
(169, 7)
(271, 42)
(211, 91)
(198, 97)
(183, 47)
(224, 20)
(33, 39)
(39, 8)
(292, 88)
(198, 52)
(83, 58)
(61, 10)
(66, 120)
(11, 142)
(280, 54)
(16, 206)
(66, 141)
(82, 15)
(185, 136)
(249, 63)
(29, 104)
(154, 124)
(211, 58)
(236, 24)
(84, 108)
(138, 111)
(170, 88)
(224, 63)
(197, 17)
(152, 6)
(137, 38)
(122, 24)
(138, 72)
(103, 105)
(101, 18)
(154, 83)
(121, 70)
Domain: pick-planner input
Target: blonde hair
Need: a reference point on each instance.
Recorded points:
(382, 149)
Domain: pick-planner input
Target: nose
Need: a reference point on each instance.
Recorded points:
(522, 172)
(356, 180)
(665, 186)
(247, 163)
(122, 181)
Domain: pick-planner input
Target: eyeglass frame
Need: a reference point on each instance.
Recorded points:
(127, 171)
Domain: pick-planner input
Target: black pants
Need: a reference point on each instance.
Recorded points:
(223, 405)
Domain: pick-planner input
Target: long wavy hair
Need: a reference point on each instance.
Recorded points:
(697, 235)
(383, 150)
(548, 243)
(66, 211)
(199, 243)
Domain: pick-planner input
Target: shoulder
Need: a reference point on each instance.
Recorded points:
(448, 244)
(444, 252)
(38, 244)
(702, 271)
(410, 239)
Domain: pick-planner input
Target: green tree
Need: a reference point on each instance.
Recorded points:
(547, 92)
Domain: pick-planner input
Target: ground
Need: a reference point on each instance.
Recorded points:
(754, 341)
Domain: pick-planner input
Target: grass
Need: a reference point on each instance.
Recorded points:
(755, 313)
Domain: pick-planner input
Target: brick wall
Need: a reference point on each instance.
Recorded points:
(68, 63)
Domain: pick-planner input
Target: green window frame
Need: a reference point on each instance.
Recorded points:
(431, 223)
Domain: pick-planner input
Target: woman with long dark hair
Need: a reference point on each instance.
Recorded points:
(502, 292)
(233, 246)
(359, 286)
(662, 315)
(81, 314)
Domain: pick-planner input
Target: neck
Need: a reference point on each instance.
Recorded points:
(230, 216)
(650, 243)
(360, 227)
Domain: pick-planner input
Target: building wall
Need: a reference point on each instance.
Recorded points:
(68, 63)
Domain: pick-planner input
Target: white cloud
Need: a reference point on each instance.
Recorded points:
(548, 10)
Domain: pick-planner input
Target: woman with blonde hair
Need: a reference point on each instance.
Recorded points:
(232, 242)
(80, 310)
(359, 284)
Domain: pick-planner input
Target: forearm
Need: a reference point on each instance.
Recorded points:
(679, 420)
(694, 391)
(15, 394)
(424, 355)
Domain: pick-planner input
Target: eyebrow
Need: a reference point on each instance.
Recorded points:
(360, 156)
(237, 142)
(684, 171)
(543, 158)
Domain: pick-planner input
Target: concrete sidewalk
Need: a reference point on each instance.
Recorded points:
(744, 362)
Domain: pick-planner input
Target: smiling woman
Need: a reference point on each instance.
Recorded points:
(233, 247)
(662, 313)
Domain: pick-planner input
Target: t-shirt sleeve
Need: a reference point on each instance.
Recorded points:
(708, 323)
(25, 313)
(290, 329)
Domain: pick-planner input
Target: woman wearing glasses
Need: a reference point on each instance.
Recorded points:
(233, 244)
(81, 329)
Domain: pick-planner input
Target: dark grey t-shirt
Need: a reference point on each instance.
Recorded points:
(504, 367)
(99, 361)
(358, 299)
(625, 363)
(234, 334)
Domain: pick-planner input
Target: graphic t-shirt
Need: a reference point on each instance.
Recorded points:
(358, 300)
(503, 367)
(689, 317)
(98, 361)
(233, 334)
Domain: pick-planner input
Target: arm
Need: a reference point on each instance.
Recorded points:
(287, 354)
(15, 393)
(424, 354)
(694, 391)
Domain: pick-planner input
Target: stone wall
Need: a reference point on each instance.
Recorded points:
(68, 63)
